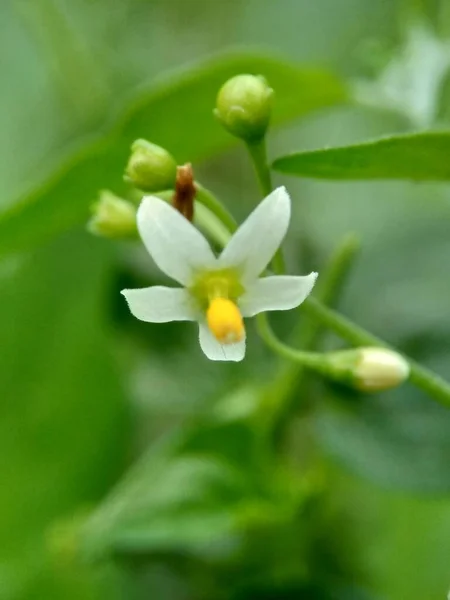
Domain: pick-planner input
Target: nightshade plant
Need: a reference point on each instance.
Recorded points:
(219, 291)
(224, 480)
(281, 475)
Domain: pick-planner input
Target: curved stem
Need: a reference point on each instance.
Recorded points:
(310, 360)
(280, 397)
(258, 154)
(420, 376)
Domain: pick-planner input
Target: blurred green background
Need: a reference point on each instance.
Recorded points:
(132, 467)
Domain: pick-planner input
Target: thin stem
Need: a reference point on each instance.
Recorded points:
(258, 154)
(208, 199)
(280, 398)
(211, 225)
(310, 360)
(330, 285)
(420, 376)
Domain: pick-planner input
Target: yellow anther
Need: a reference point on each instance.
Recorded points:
(225, 321)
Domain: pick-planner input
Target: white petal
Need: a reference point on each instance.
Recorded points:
(280, 292)
(258, 238)
(175, 245)
(214, 350)
(160, 304)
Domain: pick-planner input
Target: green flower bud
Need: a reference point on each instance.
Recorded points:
(244, 106)
(113, 217)
(150, 167)
(368, 369)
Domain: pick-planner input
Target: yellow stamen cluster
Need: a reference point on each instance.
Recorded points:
(225, 321)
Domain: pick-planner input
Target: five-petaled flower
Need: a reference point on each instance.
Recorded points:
(218, 291)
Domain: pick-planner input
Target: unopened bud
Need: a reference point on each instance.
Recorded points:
(368, 369)
(150, 167)
(113, 217)
(380, 369)
(244, 106)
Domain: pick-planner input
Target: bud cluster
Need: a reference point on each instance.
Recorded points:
(244, 106)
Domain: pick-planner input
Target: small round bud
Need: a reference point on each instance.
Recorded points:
(380, 369)
(368, 369)
(150, 167)
(113, 217)
(244, 106)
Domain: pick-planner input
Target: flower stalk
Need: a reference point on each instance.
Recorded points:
(420, 376)
(365, 369)
(280, 399)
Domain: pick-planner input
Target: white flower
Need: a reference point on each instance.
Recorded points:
(218, 291)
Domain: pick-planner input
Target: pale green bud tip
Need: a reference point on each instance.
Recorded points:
(379, 369)
(244, 106)
(113, 217)
(150, 167)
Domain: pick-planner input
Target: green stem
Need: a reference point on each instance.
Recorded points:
(420, 376)
(281, 398)
(208, 199)
(258, 154)
(211, 226)
(311, 360)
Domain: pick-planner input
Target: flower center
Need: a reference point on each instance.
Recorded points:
(225, 321)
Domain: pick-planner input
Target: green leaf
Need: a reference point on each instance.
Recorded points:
(411, 81)
(416, 156)
(170, 501)
(63, 423)
(193, 492)
(175, 113)
(398, 439)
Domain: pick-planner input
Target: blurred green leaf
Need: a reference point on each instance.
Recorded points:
(411, 81)
(62, 425)
(175, 113)
(167, 502)
(70, 580)
(416, 156)
(399, 439)
(195, 491)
